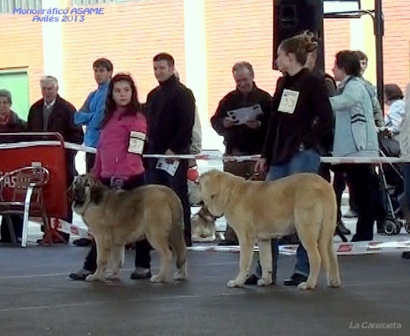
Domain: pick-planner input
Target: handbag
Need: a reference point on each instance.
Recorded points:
(389, 146)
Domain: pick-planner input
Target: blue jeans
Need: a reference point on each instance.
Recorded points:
(307, 161)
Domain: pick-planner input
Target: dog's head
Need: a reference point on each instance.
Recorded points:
(85, 189)
(213, 189)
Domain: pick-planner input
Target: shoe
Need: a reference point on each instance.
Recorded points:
(342, 228)
(295, 280)
(82, 242)
(350, 214)
(80, 275)
(252, 280)
(141, 273)
(406, 255)
(228, 243)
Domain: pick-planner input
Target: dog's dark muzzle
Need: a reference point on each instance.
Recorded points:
(78, 195)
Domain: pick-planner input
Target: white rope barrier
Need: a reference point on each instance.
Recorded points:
(204, 156)
(356, 248)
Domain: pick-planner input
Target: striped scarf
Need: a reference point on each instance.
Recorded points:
(4, 118)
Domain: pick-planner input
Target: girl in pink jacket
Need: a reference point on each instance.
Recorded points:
(118, 162)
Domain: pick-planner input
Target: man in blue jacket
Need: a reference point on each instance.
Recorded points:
(91, 113)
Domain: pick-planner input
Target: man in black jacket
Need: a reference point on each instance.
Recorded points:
(242, 137)
(54, 114)
(170, 111)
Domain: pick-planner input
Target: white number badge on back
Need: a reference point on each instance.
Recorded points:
(136, 143)
(288, 101)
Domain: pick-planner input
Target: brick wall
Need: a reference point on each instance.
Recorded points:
(21, 46)
(337, 37)
(129, 35)
(237, 30)
(243, 30)
(396, 42)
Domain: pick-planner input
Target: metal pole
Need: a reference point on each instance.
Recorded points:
(379, 33)
(321, 62)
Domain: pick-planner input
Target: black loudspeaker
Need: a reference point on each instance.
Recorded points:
(292, 17)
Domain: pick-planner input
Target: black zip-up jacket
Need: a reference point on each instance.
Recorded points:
(170, 111)
(312, 119)
(241, 138)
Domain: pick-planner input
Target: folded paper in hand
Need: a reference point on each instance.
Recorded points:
(242, 115)
(169, 167)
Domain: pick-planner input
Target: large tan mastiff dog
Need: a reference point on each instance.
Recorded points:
(117, 217)
(259, 211)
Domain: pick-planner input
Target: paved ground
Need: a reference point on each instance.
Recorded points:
(37, 298)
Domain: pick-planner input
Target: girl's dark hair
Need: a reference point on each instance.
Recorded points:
(349, 61)
(393, 92)
(133, 108)
(300, 45)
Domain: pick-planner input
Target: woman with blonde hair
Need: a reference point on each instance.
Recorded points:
(301, 117)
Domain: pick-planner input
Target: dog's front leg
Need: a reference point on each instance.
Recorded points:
(103, 253)
(116, 262)
(265, 257)
(245, 261)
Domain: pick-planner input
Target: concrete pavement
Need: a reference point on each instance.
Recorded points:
(37, 298)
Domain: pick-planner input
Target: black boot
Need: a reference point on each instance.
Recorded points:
(342, 228)
(295, 280)
(406, 255)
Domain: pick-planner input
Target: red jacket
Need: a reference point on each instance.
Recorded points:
(113, 157)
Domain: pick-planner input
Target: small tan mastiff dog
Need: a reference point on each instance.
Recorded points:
(117, 217)
(259, 211)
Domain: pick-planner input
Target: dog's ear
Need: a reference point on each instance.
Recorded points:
(212, 183)
(97, 193)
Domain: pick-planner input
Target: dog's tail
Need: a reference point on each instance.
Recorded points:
(176, 236)
(325, 243)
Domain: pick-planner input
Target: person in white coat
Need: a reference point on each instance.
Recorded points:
(404, 140)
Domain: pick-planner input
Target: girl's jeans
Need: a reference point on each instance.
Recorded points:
(306, 161)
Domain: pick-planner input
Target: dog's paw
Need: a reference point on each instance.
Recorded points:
(180, 275)
(264, 282)
(112, 277)
(93, 277)
(306, 286)
(157, 278)
(334, 283)
(234, 284)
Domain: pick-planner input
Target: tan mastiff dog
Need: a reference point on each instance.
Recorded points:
(259, 211)
(117, 217)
